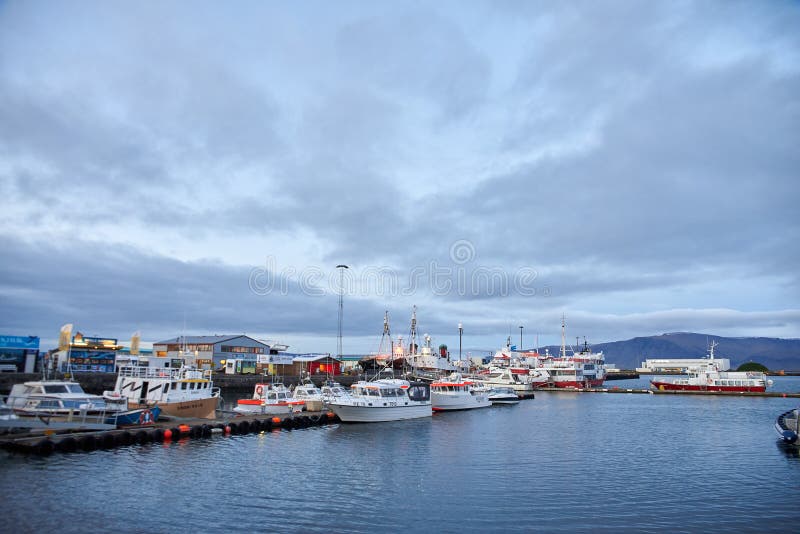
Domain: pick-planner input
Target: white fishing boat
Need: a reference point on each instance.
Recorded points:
(272, 398)
(333, 390)
(182, 392)
(387, 399)
(504, 377)
(310, 394)
(457, 393)
(503, 395)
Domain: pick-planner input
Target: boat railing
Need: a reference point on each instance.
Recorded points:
(165, 373)
(50, 409)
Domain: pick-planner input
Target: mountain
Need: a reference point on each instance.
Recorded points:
(774, 353)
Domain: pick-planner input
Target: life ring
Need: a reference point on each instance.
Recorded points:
(146, 417)
(259, 390)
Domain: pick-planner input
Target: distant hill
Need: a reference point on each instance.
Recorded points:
(774, 353)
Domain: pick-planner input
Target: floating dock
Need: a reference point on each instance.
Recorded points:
(162, 431)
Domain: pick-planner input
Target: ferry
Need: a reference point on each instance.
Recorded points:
(709, 378)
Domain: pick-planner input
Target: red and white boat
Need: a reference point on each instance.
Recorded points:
(708, 377)
(581, 369)
(523, 365)
(270, 399)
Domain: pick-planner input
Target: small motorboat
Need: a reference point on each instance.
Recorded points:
(503, 395)
(139, 416)
(787, 427)
(271, 398)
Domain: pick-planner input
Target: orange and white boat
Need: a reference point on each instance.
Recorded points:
(272, 398)
(457, 393)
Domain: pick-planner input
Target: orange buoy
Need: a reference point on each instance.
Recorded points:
(184, 428)
(276, 420)
(167, 434)
(331, 415)
(227, 429)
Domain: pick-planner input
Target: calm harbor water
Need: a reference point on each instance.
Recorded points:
(561, 462)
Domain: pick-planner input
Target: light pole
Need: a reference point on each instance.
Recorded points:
(520, 338)
(460, 331)
(341, 268)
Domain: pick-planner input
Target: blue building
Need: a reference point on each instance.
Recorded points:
(18, 353)
(91, 354)
(213, 352)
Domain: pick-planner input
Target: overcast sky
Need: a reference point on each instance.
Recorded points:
(633, 165)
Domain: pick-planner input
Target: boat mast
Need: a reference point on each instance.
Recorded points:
(563, 335)
(413, 337)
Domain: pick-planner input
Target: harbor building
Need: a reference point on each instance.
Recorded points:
(18, 353)
(213, 352)
(87, 354)
(657, 365)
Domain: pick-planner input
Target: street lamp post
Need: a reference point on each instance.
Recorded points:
(520, 338)
(341, 268)
(460, 331)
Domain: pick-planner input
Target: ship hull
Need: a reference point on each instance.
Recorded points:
(667, 386)
(194, 408)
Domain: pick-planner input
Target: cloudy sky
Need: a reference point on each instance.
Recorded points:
(633, 165)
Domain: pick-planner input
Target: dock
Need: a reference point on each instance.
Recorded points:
(163, 431)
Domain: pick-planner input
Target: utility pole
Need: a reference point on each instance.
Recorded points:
(460, 332)
(341, 268)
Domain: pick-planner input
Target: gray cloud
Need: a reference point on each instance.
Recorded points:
(639, 159)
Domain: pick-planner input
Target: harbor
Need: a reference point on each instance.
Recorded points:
(600, 452)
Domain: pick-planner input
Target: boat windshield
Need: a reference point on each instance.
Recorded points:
(75, 388)
(52, 389)
(419, 393)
